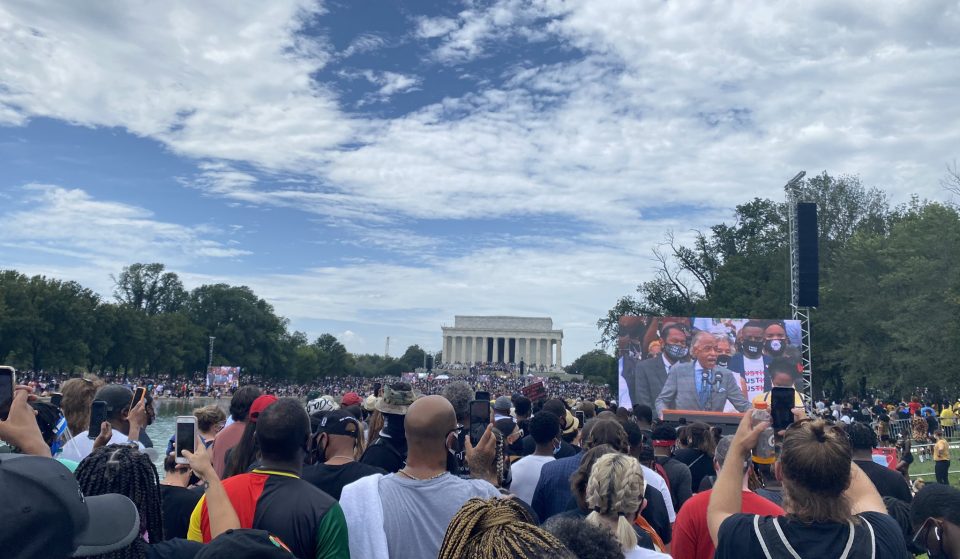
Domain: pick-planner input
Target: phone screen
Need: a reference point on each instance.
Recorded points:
(186, 435)
(98, 414)
(137, 396)
(7, 382)
(781, 407)
(580, 417)
(481, 395)
(479, 419)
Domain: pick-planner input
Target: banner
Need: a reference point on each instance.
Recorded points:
(704, 364)
(223, 376)
(535, 391)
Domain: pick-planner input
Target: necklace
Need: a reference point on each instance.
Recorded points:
(405, 474)
(348, 458)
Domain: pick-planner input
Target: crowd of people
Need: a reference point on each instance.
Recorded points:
(195, 386)
(401, 472)
(489, 367)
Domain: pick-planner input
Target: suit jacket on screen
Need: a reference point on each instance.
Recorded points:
(680, 391)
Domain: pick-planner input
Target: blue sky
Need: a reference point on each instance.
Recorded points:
(374, 168)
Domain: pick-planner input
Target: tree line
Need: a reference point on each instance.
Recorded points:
(153, 325)
(889, 317)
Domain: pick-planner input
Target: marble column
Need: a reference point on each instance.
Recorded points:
(496, 349)
(559, 352)
(545, 352)
(447, 349)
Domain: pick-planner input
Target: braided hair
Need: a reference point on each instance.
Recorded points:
(498, 529)
(121, 468)
(615, 490)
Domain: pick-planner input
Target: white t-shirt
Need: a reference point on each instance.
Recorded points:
(643, 553)
(80, 446)
(754, 373)
(526, 474)
(658, 483)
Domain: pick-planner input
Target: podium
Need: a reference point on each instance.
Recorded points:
(727, 421)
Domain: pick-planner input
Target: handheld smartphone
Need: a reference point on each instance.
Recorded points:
(56, 398)
(781, 407)
(98, 414)
(481, 395)
(8, 380)
(185, 437)
(138, 395)
(376, 389)
(581, 417)
(479, 419)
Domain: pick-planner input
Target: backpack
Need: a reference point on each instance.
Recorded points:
(658, 467)
(862, 541)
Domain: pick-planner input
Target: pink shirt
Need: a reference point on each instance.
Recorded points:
(224, 441)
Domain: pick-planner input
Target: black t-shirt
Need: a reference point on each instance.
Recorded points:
(173, 549)
(700, 464)
(566, 449)
(332, 479)
(889, 483)
(383, 454)
(177, 504)
(738, 538)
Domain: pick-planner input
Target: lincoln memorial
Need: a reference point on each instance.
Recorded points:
(502, 339)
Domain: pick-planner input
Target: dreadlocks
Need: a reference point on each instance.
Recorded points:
(498, 529)
(121, 468)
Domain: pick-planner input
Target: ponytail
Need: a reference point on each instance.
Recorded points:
(626, 534)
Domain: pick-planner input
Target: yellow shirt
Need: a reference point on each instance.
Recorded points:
(941, 450)
(947, 417)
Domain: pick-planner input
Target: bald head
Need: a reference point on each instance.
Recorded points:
(429, 419)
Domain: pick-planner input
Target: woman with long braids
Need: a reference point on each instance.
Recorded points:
(125, 470)
(615, 498)
(498, 529)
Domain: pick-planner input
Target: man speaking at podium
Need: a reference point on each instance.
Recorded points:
(701, 384)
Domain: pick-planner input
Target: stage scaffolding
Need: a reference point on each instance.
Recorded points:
(805, 384)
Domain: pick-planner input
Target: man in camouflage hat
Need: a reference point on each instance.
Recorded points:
(390, 450)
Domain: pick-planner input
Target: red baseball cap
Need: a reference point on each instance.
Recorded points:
(260, 404)
(351, 399)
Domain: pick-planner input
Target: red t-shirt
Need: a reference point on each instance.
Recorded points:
(914, 407)
(691, 536)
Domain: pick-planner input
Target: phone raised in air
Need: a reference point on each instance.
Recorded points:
(8, 380)
(782, 402)
(138, 395)
(185, 437)
(479, 419)
(376, 389)
(481, 395)
(98, 414)
(581, 417)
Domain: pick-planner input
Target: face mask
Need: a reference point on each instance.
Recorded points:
(774, 347)
(675, 352)
(752, 349)
(723, 360)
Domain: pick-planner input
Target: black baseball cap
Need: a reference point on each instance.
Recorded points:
(245, 544)
(45, 515)
(116, 396)
(339, 422)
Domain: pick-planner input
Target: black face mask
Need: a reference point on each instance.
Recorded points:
(723, 360)
(752, 349)
(774, 347)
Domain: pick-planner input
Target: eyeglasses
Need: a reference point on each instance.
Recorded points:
(933, 546)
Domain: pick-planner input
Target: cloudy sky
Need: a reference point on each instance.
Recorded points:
(373, 168)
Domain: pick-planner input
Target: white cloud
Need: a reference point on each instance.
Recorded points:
(216, 79)
(107, 234)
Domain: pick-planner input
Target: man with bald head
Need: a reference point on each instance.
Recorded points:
(405, 515)
(701, 384)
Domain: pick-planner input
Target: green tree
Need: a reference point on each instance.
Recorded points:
(596, 365)
(148, 288)
(413, 358)
(332, 356)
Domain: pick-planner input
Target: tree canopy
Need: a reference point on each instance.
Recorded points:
(154, 325)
